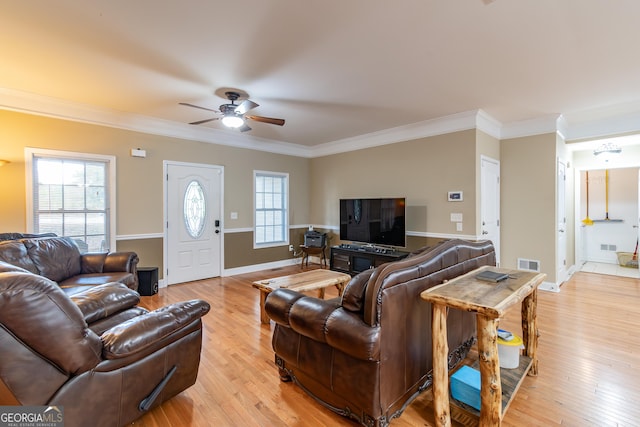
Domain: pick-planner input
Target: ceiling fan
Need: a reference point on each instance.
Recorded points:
(234, 115)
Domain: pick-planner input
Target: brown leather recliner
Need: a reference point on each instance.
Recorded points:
(368, 354)
(50, 356)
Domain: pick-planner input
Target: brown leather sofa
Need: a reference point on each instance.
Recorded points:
(368, 354)
(59, 259)
(101, 377)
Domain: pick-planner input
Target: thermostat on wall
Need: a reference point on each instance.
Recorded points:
(455, 196)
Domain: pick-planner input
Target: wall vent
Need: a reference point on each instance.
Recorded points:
(528, 264)
(605, 247)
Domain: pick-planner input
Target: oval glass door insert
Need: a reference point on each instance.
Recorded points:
(195, 209)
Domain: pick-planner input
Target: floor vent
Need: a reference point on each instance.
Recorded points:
(528, 264)
(605, 247)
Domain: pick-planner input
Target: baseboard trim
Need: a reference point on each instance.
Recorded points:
(257, 267)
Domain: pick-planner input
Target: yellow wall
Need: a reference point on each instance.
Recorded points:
(140, 180)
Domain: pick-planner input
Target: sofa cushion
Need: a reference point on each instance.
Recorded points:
(128, 279)
(56, 258)
(5, 266)
(353, 295)
(14, 252)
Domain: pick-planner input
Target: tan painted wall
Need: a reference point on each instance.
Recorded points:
(139, 180)
(528, 200)
(422, 170)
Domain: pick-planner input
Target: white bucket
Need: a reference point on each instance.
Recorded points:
(509, 352)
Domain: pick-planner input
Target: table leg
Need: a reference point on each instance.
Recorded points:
(321, 293)
(530, 330)
(340, 288)
(264, 318)
(490, 386)
(440, 366)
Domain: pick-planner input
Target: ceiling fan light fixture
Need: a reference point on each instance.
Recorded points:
(607, 150)
(232, 121)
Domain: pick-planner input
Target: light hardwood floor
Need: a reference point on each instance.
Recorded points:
(589, 369)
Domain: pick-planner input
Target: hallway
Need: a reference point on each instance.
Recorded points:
(610, 269)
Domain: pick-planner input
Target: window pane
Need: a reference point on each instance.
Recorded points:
(49, 197)
(73, 173)
(71, 199)
(95, 174)
(73, 224)
(49, 223)
(96, 244)
(95, 198)
(259, 234)
(270, 208)
(96, 223)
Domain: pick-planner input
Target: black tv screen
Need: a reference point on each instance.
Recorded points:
(376, 221)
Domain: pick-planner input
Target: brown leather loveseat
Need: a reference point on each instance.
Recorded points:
(105, 375)
(368, 354)
(59, 259)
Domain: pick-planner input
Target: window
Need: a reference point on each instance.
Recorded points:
(271, 226)
(69, 194)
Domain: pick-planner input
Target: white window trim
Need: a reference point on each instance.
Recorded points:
(286, 217)
(30, 153)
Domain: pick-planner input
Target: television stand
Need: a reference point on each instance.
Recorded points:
(354, 258)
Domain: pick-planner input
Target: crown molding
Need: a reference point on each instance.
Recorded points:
(30, 103)
(602, 128)
(568, 128)
(442, 125)
(529, 127)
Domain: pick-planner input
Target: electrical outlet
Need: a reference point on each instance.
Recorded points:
(290, 248)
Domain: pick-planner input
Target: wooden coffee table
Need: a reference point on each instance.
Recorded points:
(305, 281)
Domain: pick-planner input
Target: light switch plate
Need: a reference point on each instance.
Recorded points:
(234, 215)
(456, 217)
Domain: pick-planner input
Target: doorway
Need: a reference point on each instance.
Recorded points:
(490, 202)
(192, 227)
(607, 218)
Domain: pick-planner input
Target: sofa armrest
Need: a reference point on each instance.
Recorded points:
(102, 301)
(142, 332)
(324, 321)
(121, 261)
(109, 262)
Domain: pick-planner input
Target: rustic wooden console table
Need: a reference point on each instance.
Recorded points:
(489, 301)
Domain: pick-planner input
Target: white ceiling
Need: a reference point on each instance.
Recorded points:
(334, 69)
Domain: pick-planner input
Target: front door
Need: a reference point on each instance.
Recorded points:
(490, 202)
(193, 206)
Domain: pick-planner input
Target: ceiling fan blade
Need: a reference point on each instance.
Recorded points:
(246, 105)
(272, 121)
(199, 122)
(244, 128)
(196, 106)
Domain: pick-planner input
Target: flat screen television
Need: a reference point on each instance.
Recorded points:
(375, 221)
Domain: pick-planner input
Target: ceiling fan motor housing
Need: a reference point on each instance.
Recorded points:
(226, 109)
